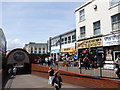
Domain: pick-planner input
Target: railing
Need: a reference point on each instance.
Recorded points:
(99, 71)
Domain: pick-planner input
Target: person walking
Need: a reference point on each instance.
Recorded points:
(117, 62)
(46, 61)
(51, 75)
(86, 63)
(57, 81)
(14, 71)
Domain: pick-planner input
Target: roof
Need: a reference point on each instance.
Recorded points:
(37, 43)
(74, 30)
(83, 5)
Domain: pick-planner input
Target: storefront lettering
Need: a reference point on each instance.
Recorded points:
(111, 40)
(90, 43)
(114, 37)
(68, 49)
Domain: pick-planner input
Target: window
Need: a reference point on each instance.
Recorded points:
(82, 31)
(43, 48)
(113, 2)
(73, 38)
(69, 39)
(116, 22)
(82, 14)
(43, 51)
(39, 51)
(35, 51)
(62, 40)
(65, 40)
(96, 27)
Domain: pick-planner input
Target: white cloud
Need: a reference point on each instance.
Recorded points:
(14, 43)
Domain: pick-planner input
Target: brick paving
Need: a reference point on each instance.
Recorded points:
(33, 81)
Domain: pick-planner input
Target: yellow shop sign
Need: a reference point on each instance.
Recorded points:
(71, 49)
(96, 42)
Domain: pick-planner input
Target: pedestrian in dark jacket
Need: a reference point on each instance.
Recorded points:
(51, 75)
(57, 81)
(86, 62)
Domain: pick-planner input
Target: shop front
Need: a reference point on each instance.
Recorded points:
(92, 48)
(55, 54)
(111, 45)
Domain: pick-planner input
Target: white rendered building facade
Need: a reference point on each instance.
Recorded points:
(98, 27)
(95, 12)
(36, 48)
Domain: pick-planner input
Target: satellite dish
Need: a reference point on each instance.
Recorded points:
(95, 6)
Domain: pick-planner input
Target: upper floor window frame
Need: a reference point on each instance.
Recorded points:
(82, 31)
(82, 15)
(114, 2)
(115, 21)
(96, 27)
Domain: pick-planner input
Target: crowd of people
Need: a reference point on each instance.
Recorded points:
(69, 61)
(47, 61)
(85, 61)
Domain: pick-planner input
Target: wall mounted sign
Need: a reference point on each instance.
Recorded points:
(70, 49)
(111, 40)
(55, 51)
(96, 42)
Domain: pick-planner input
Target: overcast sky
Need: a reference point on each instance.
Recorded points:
(25, 22)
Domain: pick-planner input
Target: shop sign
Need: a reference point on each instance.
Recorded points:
(70, 49)
(109, 66)
(55, 51)
(96, 42)
(111, 40)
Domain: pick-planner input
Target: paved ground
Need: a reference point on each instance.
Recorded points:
(32, 81)
(94, 72)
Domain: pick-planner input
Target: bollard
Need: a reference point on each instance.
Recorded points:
(100, 72)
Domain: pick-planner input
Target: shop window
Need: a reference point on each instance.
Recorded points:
(82, 31)
(116, 22)
(82, 15)
(96, 28)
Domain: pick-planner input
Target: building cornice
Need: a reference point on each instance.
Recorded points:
(83, 5)
(71, 31)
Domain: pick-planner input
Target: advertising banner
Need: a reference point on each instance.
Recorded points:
(108, 54)
(96, 42)
(111, 40)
